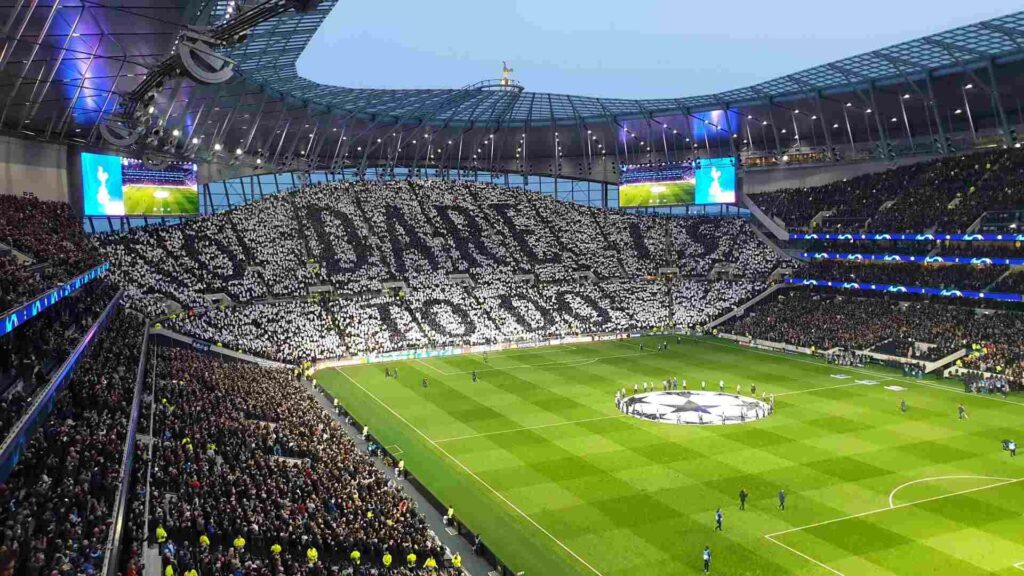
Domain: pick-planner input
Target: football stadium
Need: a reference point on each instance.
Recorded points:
(289, 288)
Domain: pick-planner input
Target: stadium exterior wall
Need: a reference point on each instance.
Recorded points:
(38, 169)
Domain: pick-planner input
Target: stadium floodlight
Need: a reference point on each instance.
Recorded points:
(834, 126)
(217, 147)
(258, 161)
(175, 132)
(152, 109)
(195, 140)
(238, 151)
(958, 111)
(906, 96)
(969, 86)
(868, 111)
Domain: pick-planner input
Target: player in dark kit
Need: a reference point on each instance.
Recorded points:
(782, 499)
(474, 376)
(424, 382)
(718, 520)
(903, 405)
(743, 499)
(707, 559)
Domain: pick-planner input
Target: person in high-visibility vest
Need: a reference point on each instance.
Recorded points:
(430, 563)
(354, 557)
(450, 517)
(457, 560)
(401, 468)
(239, 543)
(312, 556)
(387, 560)
(161, 534)
(275, 549)
(191, 572)
(204, 541)
(169, 570)
(411, 559)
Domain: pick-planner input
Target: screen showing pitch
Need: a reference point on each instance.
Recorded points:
(115, 186)
(705, 181)
(660, 185)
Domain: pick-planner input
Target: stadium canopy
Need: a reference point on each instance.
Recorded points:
(216, 81)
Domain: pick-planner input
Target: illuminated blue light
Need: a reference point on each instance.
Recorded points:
(21, 314)
(977, 261)
(1007, 297)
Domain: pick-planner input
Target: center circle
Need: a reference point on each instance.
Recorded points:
(694, 407)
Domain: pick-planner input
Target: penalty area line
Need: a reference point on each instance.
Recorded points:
(500, 496)
(805, 556)
(772, 537)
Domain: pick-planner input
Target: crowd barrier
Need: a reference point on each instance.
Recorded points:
(23, 313)
(461, 529)
(424, 353)
(14, 445)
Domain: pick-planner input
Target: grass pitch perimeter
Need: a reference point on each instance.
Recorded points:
(535, 457)
(160, 200)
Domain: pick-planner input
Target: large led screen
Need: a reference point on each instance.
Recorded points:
(705, 181)
(716, 180)
(115, 186)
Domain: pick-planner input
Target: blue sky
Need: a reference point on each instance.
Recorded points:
(628, 49)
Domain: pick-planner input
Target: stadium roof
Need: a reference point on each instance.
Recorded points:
(67, 68)
(268, 58)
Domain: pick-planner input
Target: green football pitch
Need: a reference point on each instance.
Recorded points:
(535, 457)
(160, 200)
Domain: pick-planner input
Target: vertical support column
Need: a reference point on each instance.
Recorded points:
(943, 146)
(886, 149)
(1009, 133)
(906, 122)
(824, 127)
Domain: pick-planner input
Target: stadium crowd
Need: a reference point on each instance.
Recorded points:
(949, 276)
(946, 194)
(51, 236)
(827, 320)
(354, 237)
(55, 507)
(251, 475)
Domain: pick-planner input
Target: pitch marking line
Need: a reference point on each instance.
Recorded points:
(857, 383)
(892, 494)
(435, 368)
(528, 351)
(554, 363)
(805, 556)
(861, 370)
(1019, 565)
(525, 428)
(394, 449)
(891, 506)
(471, 473)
